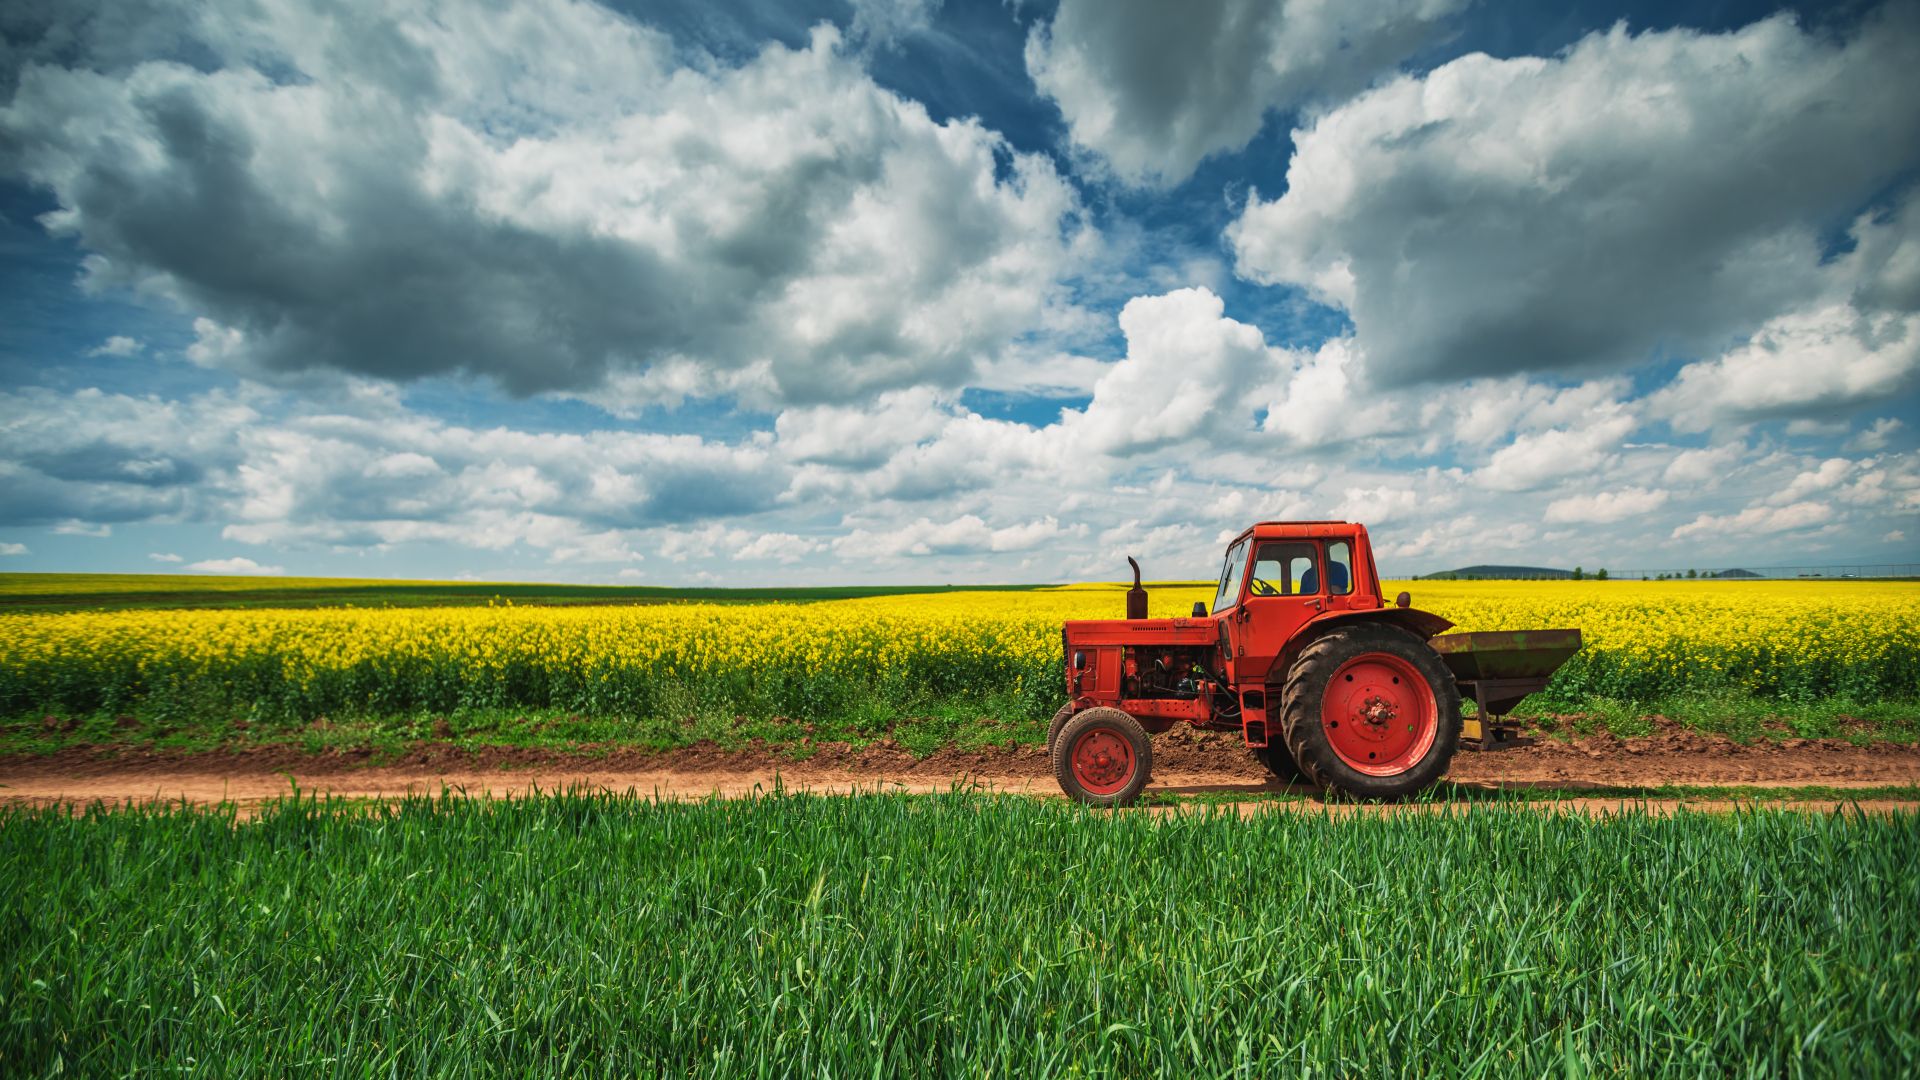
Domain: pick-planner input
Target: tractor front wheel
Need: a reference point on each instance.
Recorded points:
(1059, 721)
(1371, 711)
(1102, 757)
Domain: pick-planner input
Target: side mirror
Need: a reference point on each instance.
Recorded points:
(1199, 609)
(1079, 661)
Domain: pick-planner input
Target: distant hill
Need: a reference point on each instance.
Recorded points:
(1736, 574)
(1499, 573)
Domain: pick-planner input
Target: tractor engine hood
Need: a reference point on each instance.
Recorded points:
(1143, 631)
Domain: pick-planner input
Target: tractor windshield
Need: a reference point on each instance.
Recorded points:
(1230, 577)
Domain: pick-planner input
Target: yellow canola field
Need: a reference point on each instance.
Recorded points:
(1790, 640)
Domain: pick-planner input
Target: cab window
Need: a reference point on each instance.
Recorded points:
(1284, 568)
(1236, 565)
(1339, 568)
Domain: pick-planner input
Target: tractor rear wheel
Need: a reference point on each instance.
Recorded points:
(1102, 757)
(1372, 712)
(1279, 761)
(1059, 721)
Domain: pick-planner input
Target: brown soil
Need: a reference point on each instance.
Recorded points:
(1185, 761)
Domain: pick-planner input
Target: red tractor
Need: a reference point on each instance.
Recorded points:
(1300, 654)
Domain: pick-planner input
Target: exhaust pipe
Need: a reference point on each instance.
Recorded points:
(1136, 596)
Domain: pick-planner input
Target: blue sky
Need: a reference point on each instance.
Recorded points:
(941, 292)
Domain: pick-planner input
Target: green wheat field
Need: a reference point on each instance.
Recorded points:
(957, 935)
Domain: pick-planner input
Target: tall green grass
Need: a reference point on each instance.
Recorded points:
(788, 936)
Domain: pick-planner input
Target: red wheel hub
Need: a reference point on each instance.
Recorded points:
(1103, 760)
(1379, 714)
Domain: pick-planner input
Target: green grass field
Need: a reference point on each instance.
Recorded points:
(954, 935)
(934, 723)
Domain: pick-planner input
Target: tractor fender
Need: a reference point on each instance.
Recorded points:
(1425, 624)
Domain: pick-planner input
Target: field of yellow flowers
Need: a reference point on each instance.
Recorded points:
(1792, 642)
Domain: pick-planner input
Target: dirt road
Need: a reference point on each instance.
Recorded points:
(1186, 761)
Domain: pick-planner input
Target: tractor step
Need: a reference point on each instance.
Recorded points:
(1255, 733)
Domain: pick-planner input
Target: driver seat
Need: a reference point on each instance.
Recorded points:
(1336, 579)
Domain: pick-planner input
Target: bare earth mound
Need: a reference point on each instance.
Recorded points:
(1185, 762)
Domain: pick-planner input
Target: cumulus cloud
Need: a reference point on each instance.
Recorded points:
(1603, 507)
(1756, 521)
(347, 480)
(164, 557)
(1155, 88)
(238, 564)
(1703, 466)
(1533, 460)
(1824, 360)
(1876, 436)
(542, 195)
(1382, 504)
(1825, 477)
(780, 547)
(966, 534)
(117, 345)
(10, 548)
(98, 458)
(379, 475)
(1593, 208)
(1189, 373)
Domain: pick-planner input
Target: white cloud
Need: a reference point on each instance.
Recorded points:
(1604, 507)
(238, 564)
(540, 194)
(116, 345)
(1532, 461)
(1894, 536)
(1756, 521)
(1703, 467)
(777, 547)
(1825, 478)
(1189, 373)
(1321, 402)
(1830, 358)
(1154, 88)
(1380, 504)
(341, 480)
(164, 557)
(962, 535)
(885, 22)
(848, 435)
(90, 459)
(1875, 437)
(83, 528)
(9, 548)
(1498, 216)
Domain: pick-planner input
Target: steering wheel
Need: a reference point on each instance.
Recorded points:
(1261, 588)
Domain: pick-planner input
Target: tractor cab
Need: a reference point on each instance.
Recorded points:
(1280, 576)
(1303, 560)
